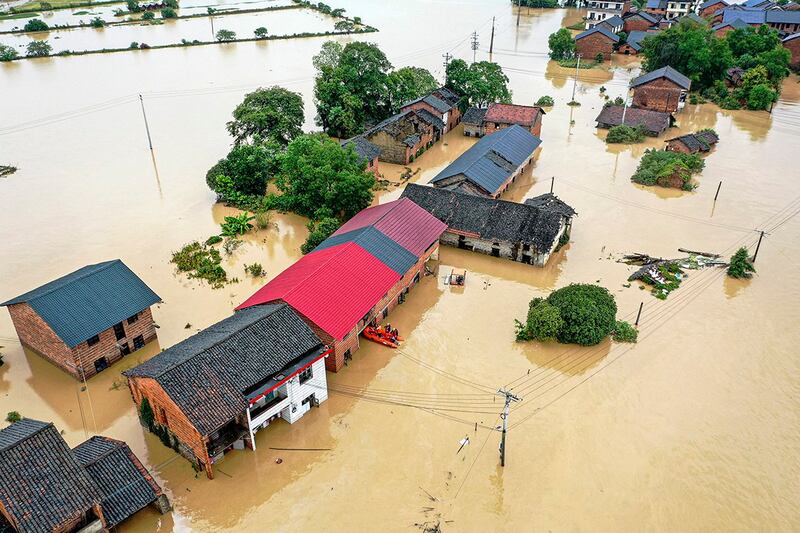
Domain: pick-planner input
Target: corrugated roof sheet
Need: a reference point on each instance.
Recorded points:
(207, 374)
(480, 164)
(42, 485)
(375, 242)
(90, 300)
(125, 485)
(664, 72)
(333, 287)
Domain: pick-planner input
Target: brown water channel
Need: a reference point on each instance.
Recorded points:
(694, 429)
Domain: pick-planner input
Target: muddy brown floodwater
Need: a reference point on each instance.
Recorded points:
(697, 428)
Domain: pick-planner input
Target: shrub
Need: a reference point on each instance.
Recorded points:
(231, 244)
(39, 49)
(36, 25)
(146, 414)
(561, 44)
(616, 101)
(13, 416)
(7, 53)
(761, 97)
(261, 32)
(201, 262)
(667, 169)
(588, 312)
(729, 102)
(133, 6)
(263, 219)
(318, 232)
(255, 270)
(134, 45)
(225, 35)
(97, 22)
(148, 15)
(171, 3)
(625, 134)
(545, 101)
(168, 13)
(238, 225)
(544, 321)
(599, 58)
(214, 239)
(624, 332)
(740, 266)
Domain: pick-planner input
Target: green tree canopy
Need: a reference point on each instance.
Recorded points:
(246, 169)
(351, 87)
(225, 35)
(319, 179)
(740, 265)
(690, 49)
(261, 32)
(318, 232)
(588, 312)
(562, 45)
(408, 83)
(36, 25)
(274, 115)
(7, 53)
(39, 48)
(478, 84)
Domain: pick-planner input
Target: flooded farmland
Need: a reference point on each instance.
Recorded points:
(696, 428)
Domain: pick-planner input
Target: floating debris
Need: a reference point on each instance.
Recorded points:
(6, 170)
(666, 275)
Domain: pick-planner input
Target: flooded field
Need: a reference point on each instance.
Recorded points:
(696, 428)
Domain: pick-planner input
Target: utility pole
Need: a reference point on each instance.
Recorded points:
(509, 398)
(474, 44)
(146, 127)
(552, 182)
(639, 314)
(624, 107)
(758, 245)
(718, 188)
(491, 41)
(211, 18)
(575, 84)
(447, 57)
(519, 10)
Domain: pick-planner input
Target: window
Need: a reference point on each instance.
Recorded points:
(306, 374)
(385, 312)
(133, 319)
(119, 331)
(125, 349)
(138, 342)
(101, 364)
(93, 340)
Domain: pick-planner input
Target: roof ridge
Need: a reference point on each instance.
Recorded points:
(117, 447)
(105, 265)
(17, 443)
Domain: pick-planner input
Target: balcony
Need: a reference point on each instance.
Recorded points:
(224, 438)
(262, 413)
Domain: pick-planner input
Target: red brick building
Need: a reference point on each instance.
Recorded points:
(499, 116)
(596, 41)
(710, 8)
(87, 320)
(442, 103)
(724, 27)
(640, 21)
(792, 43)
(661, 90)
(358, 275)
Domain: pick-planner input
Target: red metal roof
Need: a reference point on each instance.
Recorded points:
(512, 114)
(333, 287)
(401, 220)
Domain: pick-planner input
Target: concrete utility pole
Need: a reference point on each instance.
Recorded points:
(447, 57)
(575, 84)
(718, 188)
(474, 44)
(758, 245)
(146, 127)
(624, 107)
(519, 10)
(509, 398)
(491, 41)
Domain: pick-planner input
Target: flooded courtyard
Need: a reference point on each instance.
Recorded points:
(695, 428)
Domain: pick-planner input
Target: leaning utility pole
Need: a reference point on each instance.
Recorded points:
(624, 108)
(474, 44)
(509, 398)
(146, 127)
(575, 83)
(447, 57)
(491, 41)
(519, 10)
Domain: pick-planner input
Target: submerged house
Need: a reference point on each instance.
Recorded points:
(87, 320)
(357, 275)
(654, 123)
(597, 41)
(441, 103)
(528, 233)
(473, 121)
(215, 390)
(368, 152)
(46, 487)
(663, 89)
(691, 143)
(404, 136)
(489, 166)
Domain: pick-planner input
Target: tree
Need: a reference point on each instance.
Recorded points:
(318, 232)
(246, 169)
(148, 15)
(588, 312)
(351, 87)
(274, 114)
(408, 83)
(344, 25)
(39, 48)
(261, 32)
(690, 49)
(761, 97)
(562, 45)
(318, 178)
(97, 22)
(7, 53)
(545, 101)
(171, 3)
(13, 416)
(225, 35)
(740, 266)
(752, 47)
(756, 90)
(169, 13)
(478, 84)
(36, 25)
(133, 6)
(544, 320)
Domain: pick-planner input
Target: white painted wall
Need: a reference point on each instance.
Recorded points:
(297, 392)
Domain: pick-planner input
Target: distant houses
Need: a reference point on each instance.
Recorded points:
(663, 89)
(214, 391)
(692, 143)
(480, 122)
(598, 11)
(356, 276)
(633, 44)
(473, 121)
(710, 8)
(87, 320)
(488, 167)
(594, 42)
(639, 21)
(442, 103)
(527, 233)
(785, 20)
(46, 487)
(653, 123)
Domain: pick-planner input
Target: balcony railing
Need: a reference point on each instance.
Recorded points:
(275, 404)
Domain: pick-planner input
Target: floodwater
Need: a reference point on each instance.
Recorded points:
(696, 428)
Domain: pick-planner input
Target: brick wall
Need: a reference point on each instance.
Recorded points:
(594, 44)
(712, 9)
(535, 128)
(372, 166)
(36, 334)
(658, 95)
(194, 444)
(794, 48)
(635, 24)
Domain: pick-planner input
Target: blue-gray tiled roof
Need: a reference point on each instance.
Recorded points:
(598, 29)
(490, 161)
(636, 37)
(365, 149)
(747, 15)
(89, 300)
(737, 24)
(664, 72)
(378, 244)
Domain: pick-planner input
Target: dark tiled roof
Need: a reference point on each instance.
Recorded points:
(492, 220)
(551, 202)
(791, 37)
(598, 29)
(441, 99)
(365, 149)
(636, 37)
(490, 161)
(613, 22)
(90, 300)
(125, 485)
(778, 16)
(709, 3)
(694, 17)
(746, 15)
(644, 14)
(207, 373)
(697, 142)
(446, 94)
(736, 24)
(652, 121)
(474, 116)
(430, 118)
(664, 72)
(656, 4)
(42, 485)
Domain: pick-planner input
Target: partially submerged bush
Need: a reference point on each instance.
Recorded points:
(214, 239)
(668, 169)
(623, 134)
(740, 266)
(201, 262)
(318, 232)
(238, 225)
(624, 332)
(545, 101)
(13, 416)
(255, 270)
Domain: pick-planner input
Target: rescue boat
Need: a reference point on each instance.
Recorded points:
(380, 336)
